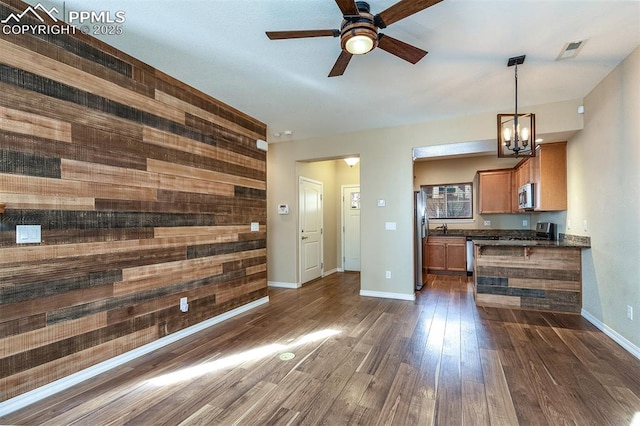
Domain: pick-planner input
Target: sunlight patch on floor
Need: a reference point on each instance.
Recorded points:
(237, 359)
(636, 419)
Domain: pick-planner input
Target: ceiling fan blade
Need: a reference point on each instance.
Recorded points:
(341, 64)
(283, 35)
(348, 7)
(401, 10)
(401, 49)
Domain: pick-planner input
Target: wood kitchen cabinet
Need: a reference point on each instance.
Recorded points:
(549, 170)
(495, 192)
(446, 254)
(498, 189)
(522, 174)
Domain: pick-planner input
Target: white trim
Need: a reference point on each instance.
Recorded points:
(615, 336)
(382, 294)
(282, 285)
(52, 388)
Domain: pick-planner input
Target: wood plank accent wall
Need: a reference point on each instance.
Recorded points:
(145, 190)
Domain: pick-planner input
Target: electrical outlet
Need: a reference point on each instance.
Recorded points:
(630, 312)
(388, 274)
(568, 224)
(184, 306)
(525, 222)
(585, 226)
(487, 223)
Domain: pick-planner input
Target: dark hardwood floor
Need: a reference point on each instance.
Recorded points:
(361, 360)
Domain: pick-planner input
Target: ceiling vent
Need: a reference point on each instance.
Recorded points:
(570, 49)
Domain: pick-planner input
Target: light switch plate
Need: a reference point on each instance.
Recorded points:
(255, 226)
(390, 226)
(28, 234)
(382, 203)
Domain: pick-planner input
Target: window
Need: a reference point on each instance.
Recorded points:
(454, 201)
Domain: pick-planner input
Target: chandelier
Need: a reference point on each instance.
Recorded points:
(516, 131)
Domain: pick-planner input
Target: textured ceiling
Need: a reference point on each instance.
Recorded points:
(219, 47)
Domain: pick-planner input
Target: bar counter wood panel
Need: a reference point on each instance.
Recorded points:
(529, 277)
(145, 189)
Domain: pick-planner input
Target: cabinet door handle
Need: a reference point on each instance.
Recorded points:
(304, 238)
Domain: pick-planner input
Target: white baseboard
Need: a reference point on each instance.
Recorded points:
(615, 336)
(385, 295)
(52, 388)
(282, 285)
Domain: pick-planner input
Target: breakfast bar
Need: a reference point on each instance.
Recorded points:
(529, 274)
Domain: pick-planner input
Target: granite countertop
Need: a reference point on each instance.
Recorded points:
(531, 243)
(513, 237)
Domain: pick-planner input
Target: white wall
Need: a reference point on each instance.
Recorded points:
(386, 172)
(604, 187)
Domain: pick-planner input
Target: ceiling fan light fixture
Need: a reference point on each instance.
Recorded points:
(359, 31)
(359, 45)
(359, 40)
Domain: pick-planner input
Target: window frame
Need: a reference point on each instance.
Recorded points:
(428, 188)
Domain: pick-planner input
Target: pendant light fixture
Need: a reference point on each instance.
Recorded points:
(516, 131)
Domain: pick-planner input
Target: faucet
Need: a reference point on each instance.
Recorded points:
(443, 227)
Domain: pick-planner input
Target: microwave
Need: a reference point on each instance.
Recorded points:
(525, 196)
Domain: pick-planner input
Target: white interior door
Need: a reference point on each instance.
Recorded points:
(351, 227)
(310, 220)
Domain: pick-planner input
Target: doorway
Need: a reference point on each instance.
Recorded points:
(351, 227)
(310, 229)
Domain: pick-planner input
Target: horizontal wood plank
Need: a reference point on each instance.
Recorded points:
(34, 125)
(180, 105)
(170, 140)
(207, 175)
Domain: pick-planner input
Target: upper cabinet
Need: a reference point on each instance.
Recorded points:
(495, 191)
(549, 171)
(498, 189)
(522, 174)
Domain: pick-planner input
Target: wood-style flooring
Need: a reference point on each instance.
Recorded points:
(362, 360)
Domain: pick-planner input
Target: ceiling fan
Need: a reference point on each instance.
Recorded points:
(359, 31)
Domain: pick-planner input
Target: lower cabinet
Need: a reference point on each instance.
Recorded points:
(447, 254)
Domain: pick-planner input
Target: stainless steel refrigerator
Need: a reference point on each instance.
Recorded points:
(421, 227)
